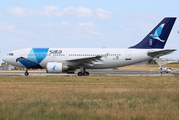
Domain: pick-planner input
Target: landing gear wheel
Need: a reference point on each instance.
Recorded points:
(86, 74)
(26, 73)
(80, 74)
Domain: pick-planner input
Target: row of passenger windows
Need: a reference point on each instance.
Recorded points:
(93, 54)
(46, 54)
(72, 54)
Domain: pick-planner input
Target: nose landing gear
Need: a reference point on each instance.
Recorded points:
(26, 72)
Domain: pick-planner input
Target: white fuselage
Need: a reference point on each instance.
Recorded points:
(114, 58)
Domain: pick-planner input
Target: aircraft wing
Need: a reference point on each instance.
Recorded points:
(89, 61)
(160, 53)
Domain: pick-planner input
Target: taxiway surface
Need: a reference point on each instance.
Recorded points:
(96, 73)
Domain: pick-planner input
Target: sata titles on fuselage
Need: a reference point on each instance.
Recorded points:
(55, 51)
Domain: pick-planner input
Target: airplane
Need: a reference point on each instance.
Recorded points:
(66, 60)
(167, 70)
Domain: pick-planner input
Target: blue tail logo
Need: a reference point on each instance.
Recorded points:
(54, 67)
(157, 38)
(158, 32)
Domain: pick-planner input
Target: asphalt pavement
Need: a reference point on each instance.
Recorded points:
(95, 73)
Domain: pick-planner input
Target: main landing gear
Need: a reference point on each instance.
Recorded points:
(26, 72)
(83, 72)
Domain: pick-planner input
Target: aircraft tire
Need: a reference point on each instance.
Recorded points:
(80, 74)
(26, 74)
(86, 74)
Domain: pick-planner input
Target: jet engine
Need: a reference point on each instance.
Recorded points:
(54, 67)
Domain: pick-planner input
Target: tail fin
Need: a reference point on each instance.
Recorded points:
(158, 36)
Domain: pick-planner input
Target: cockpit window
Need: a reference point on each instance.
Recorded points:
(10, 54)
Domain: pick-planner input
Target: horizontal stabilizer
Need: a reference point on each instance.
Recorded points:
(160, 53)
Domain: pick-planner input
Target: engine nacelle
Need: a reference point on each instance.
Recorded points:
(54, 67)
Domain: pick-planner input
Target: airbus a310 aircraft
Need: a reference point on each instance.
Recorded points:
(64, 60)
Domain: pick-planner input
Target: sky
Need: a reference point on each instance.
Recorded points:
(83, 23)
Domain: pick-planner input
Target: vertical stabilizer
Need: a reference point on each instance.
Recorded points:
(157, 38)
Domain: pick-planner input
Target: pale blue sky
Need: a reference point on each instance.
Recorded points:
(81, 23)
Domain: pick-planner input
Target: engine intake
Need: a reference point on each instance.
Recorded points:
(54, 67)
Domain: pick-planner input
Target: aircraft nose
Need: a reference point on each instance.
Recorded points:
(4, 59)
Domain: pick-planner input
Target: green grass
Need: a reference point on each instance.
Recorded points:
(86, 98)
(149, 67)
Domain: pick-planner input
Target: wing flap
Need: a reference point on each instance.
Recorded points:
(160, 53)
